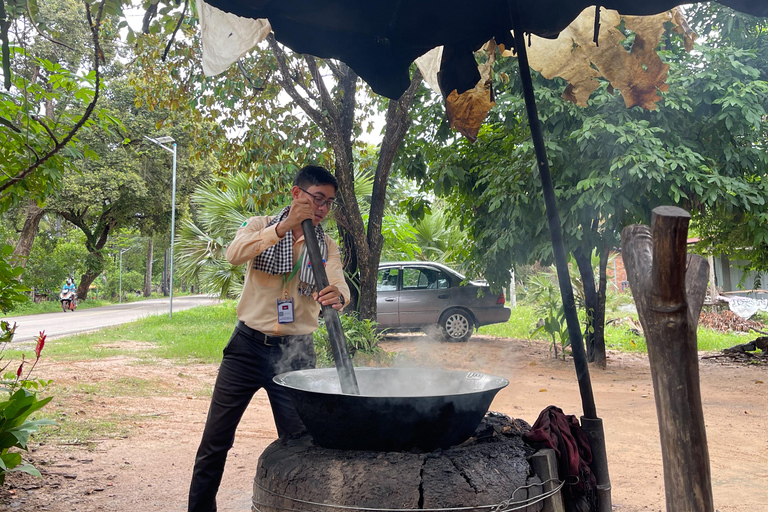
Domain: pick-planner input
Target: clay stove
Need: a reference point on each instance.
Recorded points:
(488, 469)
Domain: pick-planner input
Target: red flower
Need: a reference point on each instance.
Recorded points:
(18, 372)
(40, 343)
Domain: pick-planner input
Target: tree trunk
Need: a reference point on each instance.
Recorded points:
(95, 239)
(148, 275)
(669, 290)
(598, 340)
(164, 286)
(584, 263)
(335, 116)
(349, 261)
(28, 234)
(88, 278)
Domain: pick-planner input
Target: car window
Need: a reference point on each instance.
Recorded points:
(424, 278)
(388, 280)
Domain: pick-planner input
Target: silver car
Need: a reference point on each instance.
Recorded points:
(415, 295)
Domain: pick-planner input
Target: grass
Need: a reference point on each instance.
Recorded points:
(54, 306)
(75, 427)
(33, 308)
(523, 321)
(70, 429)
(197, 334)
(200, 334)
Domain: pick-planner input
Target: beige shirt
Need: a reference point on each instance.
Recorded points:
(261, 291)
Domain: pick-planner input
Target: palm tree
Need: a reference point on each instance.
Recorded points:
(222, 207)
(438, 238)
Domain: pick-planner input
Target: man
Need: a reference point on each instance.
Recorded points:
(70, 286)
(277, 314)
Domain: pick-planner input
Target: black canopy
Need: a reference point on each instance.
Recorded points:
(380, 39)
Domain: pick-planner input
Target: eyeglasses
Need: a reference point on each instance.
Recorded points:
(322, 202)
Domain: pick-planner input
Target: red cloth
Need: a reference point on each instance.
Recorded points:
(554, 429)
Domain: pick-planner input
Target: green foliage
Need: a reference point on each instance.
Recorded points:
(362, 337)
(545, 294)
(399, 239)
(129, 186)
(521, 325)
(238, 116)
(49, 96)
(15, 429)
(53, 259)
(11, 290)
(430, 236)
(18, 401)
(704, 149)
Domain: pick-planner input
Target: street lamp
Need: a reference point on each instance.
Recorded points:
(161, 141)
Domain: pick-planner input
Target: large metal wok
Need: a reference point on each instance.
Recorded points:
(398, 409)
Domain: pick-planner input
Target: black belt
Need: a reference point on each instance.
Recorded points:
(270, 341)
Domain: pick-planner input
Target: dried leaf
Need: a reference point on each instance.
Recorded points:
(639, 73)
(727, 321)
(466, 112)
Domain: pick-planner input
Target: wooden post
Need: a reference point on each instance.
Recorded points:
(712, 280)
(544, 464)
(669, 290)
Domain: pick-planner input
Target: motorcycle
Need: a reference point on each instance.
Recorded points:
(67, 298)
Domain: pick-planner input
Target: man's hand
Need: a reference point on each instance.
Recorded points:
(301, 210)
(329, 296)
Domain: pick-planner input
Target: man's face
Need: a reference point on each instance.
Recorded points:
(317, 194)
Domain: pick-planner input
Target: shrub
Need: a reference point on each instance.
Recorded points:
(362, 337)
(21, 402)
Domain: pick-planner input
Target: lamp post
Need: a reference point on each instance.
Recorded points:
(161, 141)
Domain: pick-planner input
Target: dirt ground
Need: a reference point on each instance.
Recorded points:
(146, 466)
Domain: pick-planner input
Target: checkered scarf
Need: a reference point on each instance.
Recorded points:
(278, 259)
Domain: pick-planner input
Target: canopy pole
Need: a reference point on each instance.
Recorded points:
(593, 425)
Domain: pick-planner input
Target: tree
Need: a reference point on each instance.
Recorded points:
(36, 147)
(335, 116)
(129, 186)
(322, 120)
(702, 149)
(219, 209)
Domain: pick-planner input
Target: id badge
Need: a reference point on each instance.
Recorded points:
(285, 311)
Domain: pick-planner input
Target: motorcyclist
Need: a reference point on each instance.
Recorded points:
(70, 286)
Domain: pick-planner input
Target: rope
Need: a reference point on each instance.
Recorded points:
(498, 507)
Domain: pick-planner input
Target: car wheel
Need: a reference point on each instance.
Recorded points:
(456, 325)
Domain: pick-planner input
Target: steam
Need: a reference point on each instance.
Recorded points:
(297, 354)
(398, 382)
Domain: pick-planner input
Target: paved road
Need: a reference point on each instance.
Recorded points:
(61, 323)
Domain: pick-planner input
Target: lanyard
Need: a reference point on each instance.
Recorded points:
(296, 268)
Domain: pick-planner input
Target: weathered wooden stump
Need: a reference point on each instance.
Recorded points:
(669, 288)
(294, 474)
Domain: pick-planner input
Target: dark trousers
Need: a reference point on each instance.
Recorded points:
(248, 365)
